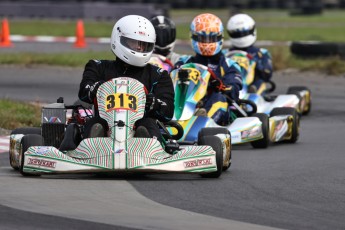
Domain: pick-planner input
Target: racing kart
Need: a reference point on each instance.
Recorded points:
(298, 97)
(73, 145)
(245, 124)
(190, 84)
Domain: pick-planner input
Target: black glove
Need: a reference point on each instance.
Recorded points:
(234, 92)
(215, 84)
(93, 90)
(200, 104)
(151, 102)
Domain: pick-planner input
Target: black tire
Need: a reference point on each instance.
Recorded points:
(24, 131)
(215, 131)
(26, 142)
(27, 130)
(210, 131)
(295, 124)
(217, 146)
(71, 139)
(314, 49)
(297, 89)
(264, 142)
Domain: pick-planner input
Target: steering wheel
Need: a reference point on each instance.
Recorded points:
(237, 104)
(172, 124)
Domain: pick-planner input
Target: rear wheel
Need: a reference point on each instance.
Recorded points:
(219, 130)
(210, 131)
(24, 131)
(26, 142)
(217, 146)
(264, 142)
(295, 122)
(306, 107)
(27, 130)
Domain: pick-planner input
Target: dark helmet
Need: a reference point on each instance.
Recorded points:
(166, 35)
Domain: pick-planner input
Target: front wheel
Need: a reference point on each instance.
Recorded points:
(24, 131)
(219, 130)
(295, 123)
(265, 127)
(217, 146)
(305, 99)
(26, 142)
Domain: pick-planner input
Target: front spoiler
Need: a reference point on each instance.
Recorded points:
(105, 155)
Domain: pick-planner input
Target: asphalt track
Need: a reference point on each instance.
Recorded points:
(298, 186)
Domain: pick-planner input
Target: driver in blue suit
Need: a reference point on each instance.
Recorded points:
(207, 41)
(242, 31)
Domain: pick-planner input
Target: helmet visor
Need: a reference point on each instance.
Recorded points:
(162, 51)
(207, 38)
(241, 33)
(135, 45)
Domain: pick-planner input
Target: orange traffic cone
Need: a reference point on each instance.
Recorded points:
(80, 35)
(5, 34)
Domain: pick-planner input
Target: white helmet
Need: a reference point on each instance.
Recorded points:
(242, 31)
(133, 39)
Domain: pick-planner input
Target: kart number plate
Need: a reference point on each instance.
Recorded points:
(193, 75)
(242, 61)
(121, 101)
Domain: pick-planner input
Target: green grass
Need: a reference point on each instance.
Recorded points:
(283, 59)
(58, 59)
(276, 25)
(59, 28)
(272, 25)
(16, 114)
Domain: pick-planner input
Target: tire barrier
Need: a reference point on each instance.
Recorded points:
(317, 49)
(78, 10)
(307, 7)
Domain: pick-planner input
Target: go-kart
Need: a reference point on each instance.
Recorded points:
(190, 84)
(298, 97)
(73, 145)
(245, 124)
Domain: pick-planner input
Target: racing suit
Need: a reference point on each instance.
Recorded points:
(263, 68)
(229, 73)
(156, 81)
